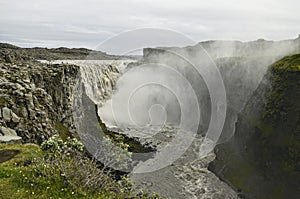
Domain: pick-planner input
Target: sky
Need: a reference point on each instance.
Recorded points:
(86, 23)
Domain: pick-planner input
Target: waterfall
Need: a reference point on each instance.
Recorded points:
(99, 77)
(96, 84)
(97, 81)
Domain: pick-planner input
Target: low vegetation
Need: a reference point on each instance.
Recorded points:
(59, 169)
(290, 63)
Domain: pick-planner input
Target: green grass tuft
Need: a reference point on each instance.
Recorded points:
(290, 63)
(30, 174)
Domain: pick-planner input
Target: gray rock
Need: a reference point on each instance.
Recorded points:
(19, 87)
(24, 112)
(14, 117)
(32, 114)
(6, 113)
(18, 93)
(29, 100)
(10, 139)
(27, 80)
(7, 131)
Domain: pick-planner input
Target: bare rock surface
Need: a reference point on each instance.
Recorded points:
(33, 99)
(8, 135)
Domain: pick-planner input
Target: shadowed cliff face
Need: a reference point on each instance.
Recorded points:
(263, 157)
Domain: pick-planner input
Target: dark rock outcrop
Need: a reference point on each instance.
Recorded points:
(262, 159)
(36, 98)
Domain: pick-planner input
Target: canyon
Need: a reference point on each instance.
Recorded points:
(71, 93)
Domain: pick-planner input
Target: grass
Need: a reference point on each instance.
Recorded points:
(290, 63)
(62, 130)
(15, 173)
(19, 179)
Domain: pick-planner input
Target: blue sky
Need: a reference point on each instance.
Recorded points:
(86, 23)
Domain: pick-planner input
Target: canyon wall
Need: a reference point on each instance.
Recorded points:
(37, 98)
(262, 159)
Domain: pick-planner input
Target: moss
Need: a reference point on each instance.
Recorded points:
(266, 148)
(134, 146)
(241, 177)
(240, 173)
(3, 101)
(62, 130)
(279, 137)
(289, 63)
(266, 130)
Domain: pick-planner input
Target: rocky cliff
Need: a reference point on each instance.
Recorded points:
(242, 66)
(36, 99)
(262, 159)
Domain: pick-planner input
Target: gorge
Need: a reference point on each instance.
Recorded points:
(259, 144)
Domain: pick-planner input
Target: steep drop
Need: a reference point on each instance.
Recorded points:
(262, 160)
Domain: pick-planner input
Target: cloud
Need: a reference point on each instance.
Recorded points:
(88, 22)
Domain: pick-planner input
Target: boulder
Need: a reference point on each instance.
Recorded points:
(9, 135)
(10, 139)
(14, 117)
(6, 113)
(7, 131)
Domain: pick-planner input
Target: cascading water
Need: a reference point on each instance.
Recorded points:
(241, 67)
(96, 84)
(98, 80)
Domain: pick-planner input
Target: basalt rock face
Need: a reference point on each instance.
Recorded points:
(262, 159)
(36, 99)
